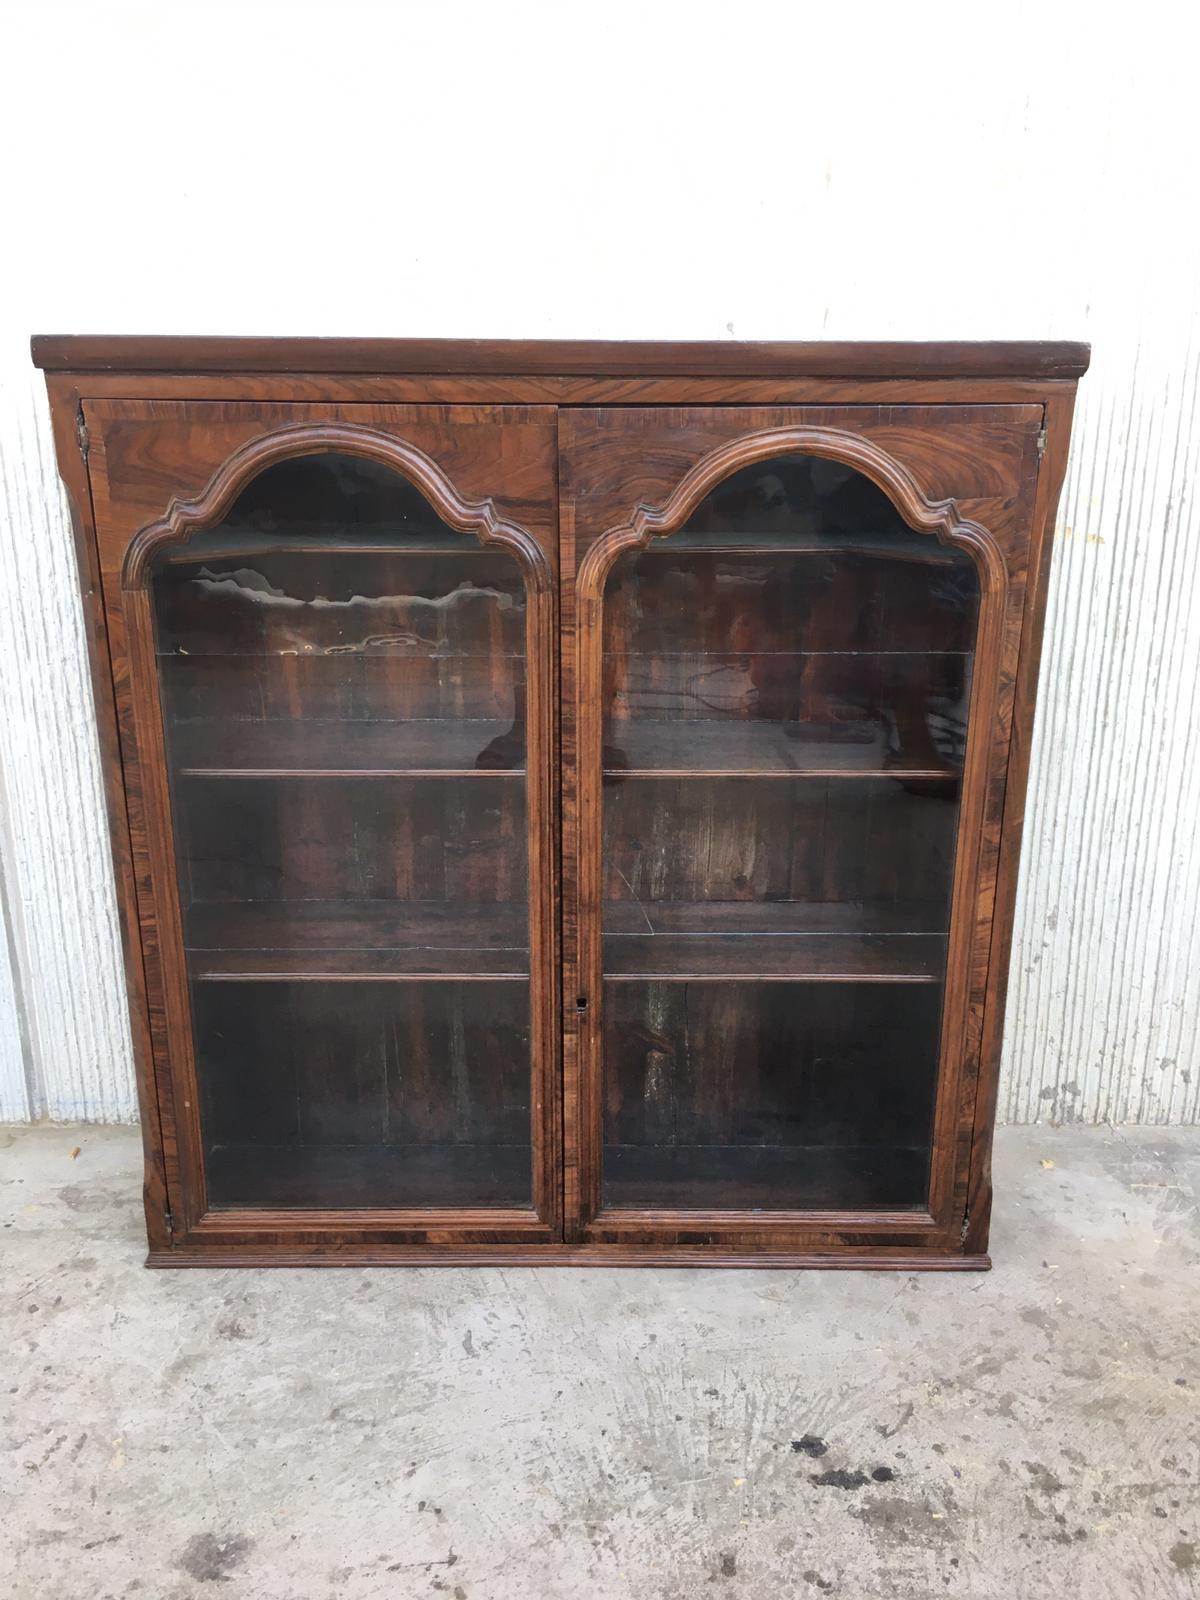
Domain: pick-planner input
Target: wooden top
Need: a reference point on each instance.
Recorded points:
(565, 358)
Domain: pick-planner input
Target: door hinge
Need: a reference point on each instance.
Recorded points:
(170, 1221)
(965, 1229)
(81, 432)
(1041, 443)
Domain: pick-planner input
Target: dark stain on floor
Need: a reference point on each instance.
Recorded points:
(209, 1559)
(839, 1478)
(1043, 1478)
(810, 1445)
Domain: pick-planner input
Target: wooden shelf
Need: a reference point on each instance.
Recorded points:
(773, 916)
(653, 656)
(348, 940)
(312, 747)
(723, 942)
(696, 749)
(365, 1176)
(304, 650)
(261, 544)
(819, 1177)
(799, 541)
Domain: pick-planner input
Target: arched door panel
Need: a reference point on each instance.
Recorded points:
(341, 697)
(788, 677)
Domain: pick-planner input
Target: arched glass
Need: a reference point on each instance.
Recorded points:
(786, 683)
(342, 680)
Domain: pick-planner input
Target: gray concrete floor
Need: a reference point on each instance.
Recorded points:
(501, 1432)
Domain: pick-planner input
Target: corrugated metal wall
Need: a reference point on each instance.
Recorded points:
(1104, 999)
(60, 910)
(937, 171)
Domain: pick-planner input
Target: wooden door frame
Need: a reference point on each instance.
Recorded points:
(193, 1225)
(941, 1226)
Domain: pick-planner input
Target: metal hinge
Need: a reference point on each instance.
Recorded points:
(966, 1227)
(170, 1221)
(1041, 443)
(81, 432)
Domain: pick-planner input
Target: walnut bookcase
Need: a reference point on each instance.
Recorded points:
(565, 798)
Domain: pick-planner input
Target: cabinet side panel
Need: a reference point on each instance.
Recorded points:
(1058, 413)
(109, 667)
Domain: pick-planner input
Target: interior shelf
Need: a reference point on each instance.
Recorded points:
(819, 1177)
(745, 749)
(366, 1176)
(301, 650)
(786, 943)
(356, 939)
(247, 544)
(307, 747)
(797, 541)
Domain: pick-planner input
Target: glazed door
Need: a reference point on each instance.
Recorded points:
(338, 732)
(793, 633)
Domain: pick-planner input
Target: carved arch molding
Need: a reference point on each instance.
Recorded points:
(937, 517)
(185, 518)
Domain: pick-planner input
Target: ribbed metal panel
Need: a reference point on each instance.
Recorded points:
(1104, 997)
(59, 900)
(15, 1101)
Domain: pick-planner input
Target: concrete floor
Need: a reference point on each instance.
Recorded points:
(297, 1435)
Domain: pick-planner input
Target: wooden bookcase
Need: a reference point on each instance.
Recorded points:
(565, 798)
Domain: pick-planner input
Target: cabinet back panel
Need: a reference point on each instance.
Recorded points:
(779, 839)
(349, 688)
(328, 838)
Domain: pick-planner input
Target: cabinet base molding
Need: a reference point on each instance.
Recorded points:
(578, 1256)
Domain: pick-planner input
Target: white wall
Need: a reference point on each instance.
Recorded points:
(675, 170)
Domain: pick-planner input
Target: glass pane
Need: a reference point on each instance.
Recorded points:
(343, 692)
(327, 499)
(785, 708)
(784, 1096)
(391, 1094)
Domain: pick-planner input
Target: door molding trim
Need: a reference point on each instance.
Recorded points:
(938, 517)
(185, 518)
